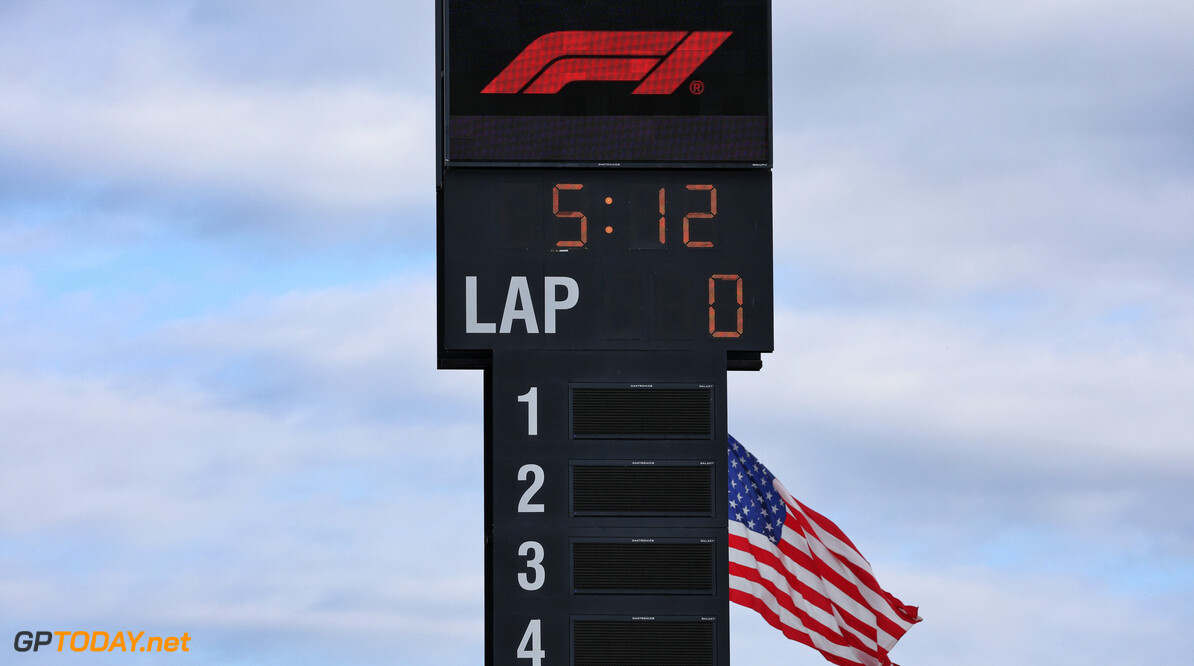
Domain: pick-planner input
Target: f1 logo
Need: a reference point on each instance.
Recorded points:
(660, 61)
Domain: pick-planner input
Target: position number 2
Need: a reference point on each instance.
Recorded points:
(535, 472)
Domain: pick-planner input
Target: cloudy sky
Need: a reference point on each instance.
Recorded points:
(219, 408)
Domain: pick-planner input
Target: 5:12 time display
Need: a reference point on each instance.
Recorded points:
(578, 218)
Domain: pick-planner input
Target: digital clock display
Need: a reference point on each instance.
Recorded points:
(602, 259)
(588, 82)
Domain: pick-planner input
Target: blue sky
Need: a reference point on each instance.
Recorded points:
(219, 409)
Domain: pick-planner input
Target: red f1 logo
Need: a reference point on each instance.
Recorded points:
(659, 60)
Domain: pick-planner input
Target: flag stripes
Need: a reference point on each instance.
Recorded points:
(803, 575)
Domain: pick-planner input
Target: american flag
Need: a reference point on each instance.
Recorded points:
(803, 575)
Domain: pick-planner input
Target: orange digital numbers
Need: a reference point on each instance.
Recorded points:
(570, 215)
(575, 234)
(706, 215)
(662, 216)
(713, 331)
(687, 235)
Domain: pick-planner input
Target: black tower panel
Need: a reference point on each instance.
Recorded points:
(619, 518)
(604, 254)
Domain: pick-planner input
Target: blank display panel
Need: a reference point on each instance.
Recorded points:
(628, 412)
(642, 489)
(642, 567)
(643, 642)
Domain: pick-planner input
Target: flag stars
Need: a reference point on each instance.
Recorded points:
(753, 500)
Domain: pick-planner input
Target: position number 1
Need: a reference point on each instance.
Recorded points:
(531, 398)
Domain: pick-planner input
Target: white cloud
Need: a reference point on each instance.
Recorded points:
(328, 356)
(983, 617)
(175, 492)
(331, 148)
(15, 284)
(136, 116)
(935, 150)
(136, 508)
(933, 382)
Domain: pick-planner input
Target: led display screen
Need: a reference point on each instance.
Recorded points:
(600, 259)
(613, 82)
